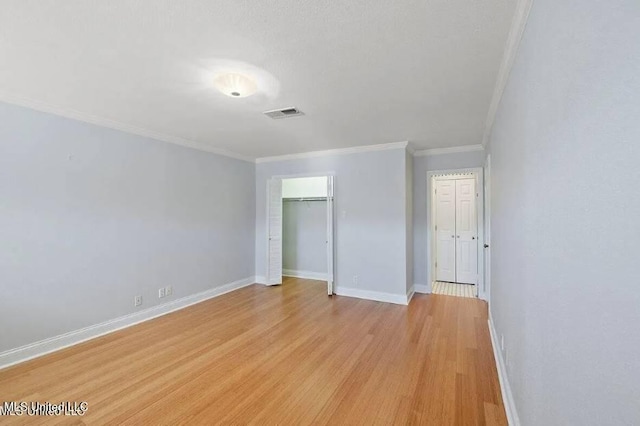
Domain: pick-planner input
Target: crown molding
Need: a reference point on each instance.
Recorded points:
(116, 125)
(340, 151)
(508, 58)
(451, 150)
(411, 149)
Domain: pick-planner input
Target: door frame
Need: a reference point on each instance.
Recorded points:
(478, 174)
(266, 236)
(487, 228)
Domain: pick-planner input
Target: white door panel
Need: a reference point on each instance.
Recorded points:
(274, 205)
(466, 232)
(445, 231)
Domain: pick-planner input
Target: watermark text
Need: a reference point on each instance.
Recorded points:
(38, 408)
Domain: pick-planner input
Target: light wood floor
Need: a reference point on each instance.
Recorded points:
(279, 355)
(454, 289)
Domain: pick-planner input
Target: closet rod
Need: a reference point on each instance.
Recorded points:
(306, 199)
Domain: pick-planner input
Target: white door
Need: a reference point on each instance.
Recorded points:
(466, 232)
(330, 285)
(445, 230)
(274, 231)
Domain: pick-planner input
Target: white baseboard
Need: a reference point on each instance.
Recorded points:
(421, 288)
(307, 275)
(52, 344)
(505, 388)
(259, 279)
(399, 299)
(410, 294)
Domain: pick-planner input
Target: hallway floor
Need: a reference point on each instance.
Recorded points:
(454, 289)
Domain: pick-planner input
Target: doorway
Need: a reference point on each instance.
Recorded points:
(455, 231)
(300, 217)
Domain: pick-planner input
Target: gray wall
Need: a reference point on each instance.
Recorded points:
(565, 155)
(90, 217)
(409, 218)
(422, 165)
(304, 236)
(370, 223)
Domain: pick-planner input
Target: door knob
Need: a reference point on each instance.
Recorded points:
(473, 238)
(453, 236)
(486, 246)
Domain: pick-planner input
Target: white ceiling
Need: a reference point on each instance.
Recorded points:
(363, 71)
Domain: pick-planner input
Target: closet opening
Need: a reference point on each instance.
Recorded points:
(456, 232)
(300, 229)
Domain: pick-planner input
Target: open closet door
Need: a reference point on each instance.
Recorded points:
(274, 225)
(330, 286)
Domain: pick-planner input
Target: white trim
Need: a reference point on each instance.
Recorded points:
(410, 294)
(261, 280)
(422, 288)
(451, 150)
(505, 388)
(307, 275)
(112, 124)
(508, 58)
(487, 229)
(340, 151)
(399, 299)
(478, 173)
(52, 344)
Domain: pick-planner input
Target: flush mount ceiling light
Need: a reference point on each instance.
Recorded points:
(235, 85)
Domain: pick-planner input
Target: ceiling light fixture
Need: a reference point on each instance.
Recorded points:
(235, 85)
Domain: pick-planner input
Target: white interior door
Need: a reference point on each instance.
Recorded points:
(466, 232)
(274, 231)
(445, 230)
(330, 285)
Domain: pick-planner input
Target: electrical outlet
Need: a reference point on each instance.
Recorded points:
(355, 279)
(137, 301)
(161, 292)
(168, 290)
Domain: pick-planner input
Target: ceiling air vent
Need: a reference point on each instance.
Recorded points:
(283, 113)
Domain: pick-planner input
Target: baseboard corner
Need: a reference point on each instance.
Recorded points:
(307, 275)
(410, 293)
(421, 288)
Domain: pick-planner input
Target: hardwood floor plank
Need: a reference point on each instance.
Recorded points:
(285, 355)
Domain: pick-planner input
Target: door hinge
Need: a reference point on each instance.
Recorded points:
(436, 264)
(436, 227)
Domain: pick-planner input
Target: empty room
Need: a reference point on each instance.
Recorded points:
(319, 212)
